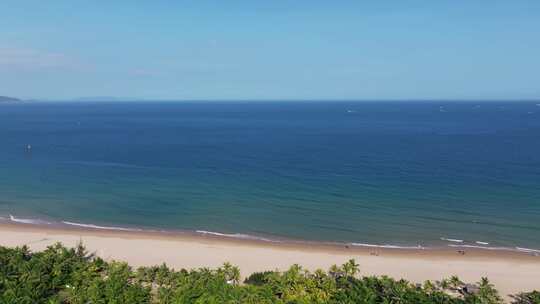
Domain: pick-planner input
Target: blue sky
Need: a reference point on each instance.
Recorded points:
(271, 49)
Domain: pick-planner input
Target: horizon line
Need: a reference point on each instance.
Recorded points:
(115, 99)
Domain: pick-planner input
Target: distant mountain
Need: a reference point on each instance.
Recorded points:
(107, 98)
(9, 99)
(96, 98)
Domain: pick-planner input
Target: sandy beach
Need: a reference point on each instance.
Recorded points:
(511, 272)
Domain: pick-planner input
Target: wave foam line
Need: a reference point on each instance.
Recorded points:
(99, 227)
(529, 250)
(26, 221)
(387, 246)
(482, 243)
(520, 249)
(236, 235)
(481, 247)
(452, 240)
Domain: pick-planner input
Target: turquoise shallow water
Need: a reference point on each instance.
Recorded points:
(407, 173)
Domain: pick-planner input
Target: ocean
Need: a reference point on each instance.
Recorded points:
(403, 174)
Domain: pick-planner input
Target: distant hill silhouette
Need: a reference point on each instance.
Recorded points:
(8, 99)
(107, 98)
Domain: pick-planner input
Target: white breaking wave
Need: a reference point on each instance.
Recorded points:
(100, 227)
(387, 246)
(452, 240)
(237, 235)
(520, 249)
(26, 221)
(482, 243)
(480, 247)
(528, 250)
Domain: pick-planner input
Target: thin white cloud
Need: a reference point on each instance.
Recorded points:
(142, 72)
(23, 58)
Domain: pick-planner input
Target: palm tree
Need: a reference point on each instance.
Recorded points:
(232, 273)
(335, 271)
(429, 286)
(455, 282)
(487, 293)
(351, 268)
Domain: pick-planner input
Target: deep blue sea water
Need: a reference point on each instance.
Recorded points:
(403, 173)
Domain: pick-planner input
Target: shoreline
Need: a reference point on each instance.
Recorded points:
(510, 271)
(451, 244)
(313, 246)
(214, 237)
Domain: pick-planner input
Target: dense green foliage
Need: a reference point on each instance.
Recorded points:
(527, 298)
(70, 275)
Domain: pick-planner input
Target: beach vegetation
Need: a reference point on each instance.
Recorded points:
(73, 276)
(532, 297)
